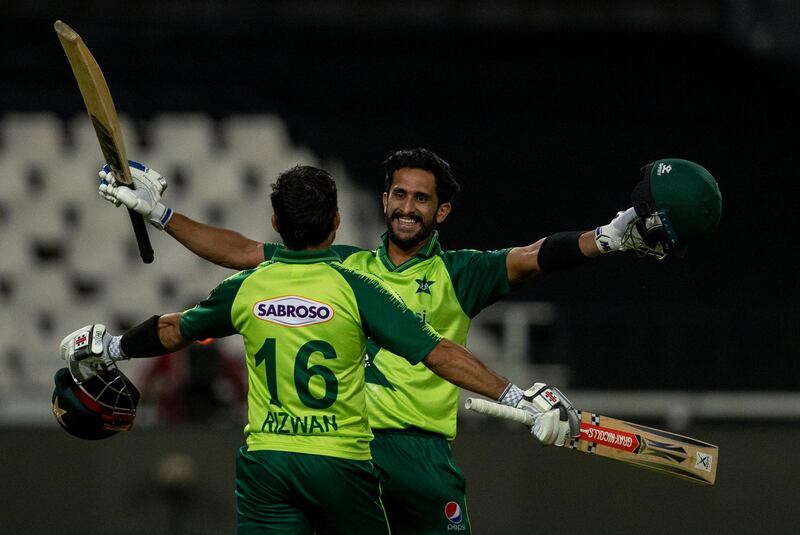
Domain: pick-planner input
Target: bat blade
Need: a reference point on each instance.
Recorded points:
(647, 447)
(103, 114)
(642, 446)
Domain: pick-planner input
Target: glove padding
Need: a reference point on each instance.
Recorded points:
(555, 419)
(619, 235)
(144, 199)
(89, 349)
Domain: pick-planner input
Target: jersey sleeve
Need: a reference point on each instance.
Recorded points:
(479, 277)
(387, 320)
(344, 251)
(269, 249)
(211, 317)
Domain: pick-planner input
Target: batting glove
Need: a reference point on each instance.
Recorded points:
(611, 237)
(144, 199)
(555, 419)
(88, 349)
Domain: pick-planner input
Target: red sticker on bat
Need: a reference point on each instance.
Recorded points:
(613, 438)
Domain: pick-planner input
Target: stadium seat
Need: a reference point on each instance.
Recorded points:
(255, 138)
(15, 191)
(32, 137)
(71, 179)
(182, 136)
(218, 178)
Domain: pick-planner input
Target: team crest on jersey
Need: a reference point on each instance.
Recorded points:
(293, 311)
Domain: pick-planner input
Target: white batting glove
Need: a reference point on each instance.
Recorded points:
(611, 237)
(88, 349)
(555, 419)
(145, 199)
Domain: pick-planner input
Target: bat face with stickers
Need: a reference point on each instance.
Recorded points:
(103, 114)
(639, 445)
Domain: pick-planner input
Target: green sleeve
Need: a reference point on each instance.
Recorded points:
(346, 250)
(387, 320)
(211, 317)
(270, 248)
(479, 277)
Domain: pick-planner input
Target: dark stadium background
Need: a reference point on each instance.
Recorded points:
(546, 111)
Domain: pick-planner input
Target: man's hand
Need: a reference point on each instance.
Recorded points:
(88, 349)
(555, 419)
(628, 232)
(145, 199)
(612, 237)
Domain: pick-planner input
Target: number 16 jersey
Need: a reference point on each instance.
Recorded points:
(305, 320)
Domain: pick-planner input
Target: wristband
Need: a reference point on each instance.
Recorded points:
(561, 251)
(511, 396)
(143, 340)
(160, 216)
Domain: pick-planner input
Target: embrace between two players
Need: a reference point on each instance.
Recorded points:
(310, 395)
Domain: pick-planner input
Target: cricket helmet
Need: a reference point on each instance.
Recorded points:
(677, 202)
(97, 407)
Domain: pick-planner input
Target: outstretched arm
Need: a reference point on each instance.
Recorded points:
(224, 247)
(564, 250)
(554, 417)
(522, 263)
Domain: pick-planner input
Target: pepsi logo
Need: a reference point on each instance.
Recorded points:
(453, 512)
(293, 311)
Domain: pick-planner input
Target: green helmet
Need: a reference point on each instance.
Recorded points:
(677, 201)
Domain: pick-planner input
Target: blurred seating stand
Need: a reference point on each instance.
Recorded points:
(70, 259)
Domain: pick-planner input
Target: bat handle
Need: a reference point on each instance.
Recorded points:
(142, 239)
(498, 411)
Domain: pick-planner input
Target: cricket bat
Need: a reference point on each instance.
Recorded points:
(103, 114)
(639, 445)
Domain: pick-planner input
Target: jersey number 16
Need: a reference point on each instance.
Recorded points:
(303, 373)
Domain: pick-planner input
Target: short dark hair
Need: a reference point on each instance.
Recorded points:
(305, 203)
(418, 158)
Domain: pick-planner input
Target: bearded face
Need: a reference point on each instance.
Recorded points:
(411, 207)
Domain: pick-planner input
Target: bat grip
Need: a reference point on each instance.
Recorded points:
(142, 239)
(498, 411)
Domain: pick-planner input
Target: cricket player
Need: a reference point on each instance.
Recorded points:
(305, 318)
(411, 410)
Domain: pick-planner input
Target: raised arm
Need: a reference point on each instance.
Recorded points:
(522, 263)
(564, 250)
(221, 246)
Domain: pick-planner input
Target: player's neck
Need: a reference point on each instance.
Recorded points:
(319, 247)
(399, 255)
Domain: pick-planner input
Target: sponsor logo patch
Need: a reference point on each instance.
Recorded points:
(663, 169)
(703, 461)
(81, 340)
(293, 311)
(453, 513)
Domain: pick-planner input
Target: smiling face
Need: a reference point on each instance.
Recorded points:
(411, 207)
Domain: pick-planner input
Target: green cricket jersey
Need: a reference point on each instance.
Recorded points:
(446, 289)
(305, 319)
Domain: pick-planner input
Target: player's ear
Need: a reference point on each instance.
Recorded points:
(385, 200)
(443, 211)
(336, 220)
(275, 223)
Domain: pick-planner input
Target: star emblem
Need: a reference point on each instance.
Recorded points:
(59, 412)
(424, 285)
